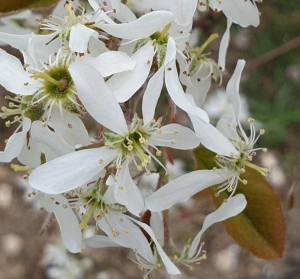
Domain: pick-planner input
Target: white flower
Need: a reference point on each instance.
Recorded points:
(122, 146)
(124, 231)
(160, 51)
(193, 252)
(234, 152)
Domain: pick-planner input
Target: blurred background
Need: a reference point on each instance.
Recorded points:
(30, 244)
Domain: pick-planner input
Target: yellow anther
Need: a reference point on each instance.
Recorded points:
(262, 131)
(139, 168)
(125, 231)
(80, 190)
(153, 121)
(243, 170)
(130, 147)
(116, 234)
(116, 178)
(119, 167)
(245, 181)
(100, 161)
(175, 132)
(96, 229)
(51, 199)
(145, 277)
(158, 131)
(265, 149)
(64, 206)
(167, 174)
(214, 168)
(121, 188)
(77, 209)
(229, 189)
(249, 158)
(7, 123)
(11, 104)
(173, 141)
(25, 176)
(191, 268)
(121, 219)
(158, 153)
(106, 144)
(29, 195)
(148, 173)
(231, 155)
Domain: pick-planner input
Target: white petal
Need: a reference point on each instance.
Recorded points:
(134, 238)
(227, 126)
(183, 10)
(15, 143)
(80, 36)
(231, 208)
(70, 128)
(110, 62)
(13, 76)
(30, 157)
(97, 99)
(178, 95)
(184, 67)
(67, 220)
(41, 46)
(96, 47)
(17, 41)
(224, 46)
(182, 188)
(199, 89)
(42, 134)
(141, 28)
(127, 192)
(94, 4)
(233, 87)
(210, 137)
(125, 14)
(155, 84)
(185, 138)
(116, 5)
(70, 171)
(100, 241)
(243, 13)
(171, 268)
(157, 225)
(124, 85)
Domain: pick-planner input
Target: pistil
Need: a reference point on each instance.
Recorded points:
(207, 42)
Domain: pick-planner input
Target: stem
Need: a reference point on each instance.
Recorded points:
(211, 38)
(163, 33)
(273, 54)
(166, 231)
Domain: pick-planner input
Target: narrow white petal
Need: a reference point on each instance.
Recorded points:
(141, 28)
(130, 235)
(233, 87)
(67, 220)
(110, 62)
(157, 225)
(231, 208)
(70, 171)
(227, 126)
(127, 192)
(80, 36)
(17, 41)
(210, 137)
(70, 128)
(155, 85)
(182, 188)
(42, 134)
(224, 46)
(13, 76)
(124, 85)
(94, 4)
(171, 268)
(175, 136)
(199, 89)
(97, 99)
(243, 13)
(178, 95)
(30, 157)
(15, 143)
(116, 5)
(100, 241)
(183, 10)
(41, 46)
(125, 14)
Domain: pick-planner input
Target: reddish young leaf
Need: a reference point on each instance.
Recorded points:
(17, 5)
(260, 228)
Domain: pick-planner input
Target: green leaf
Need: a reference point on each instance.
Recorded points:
(10, 6)
(260, 228)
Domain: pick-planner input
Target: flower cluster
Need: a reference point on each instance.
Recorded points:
(92, 63)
